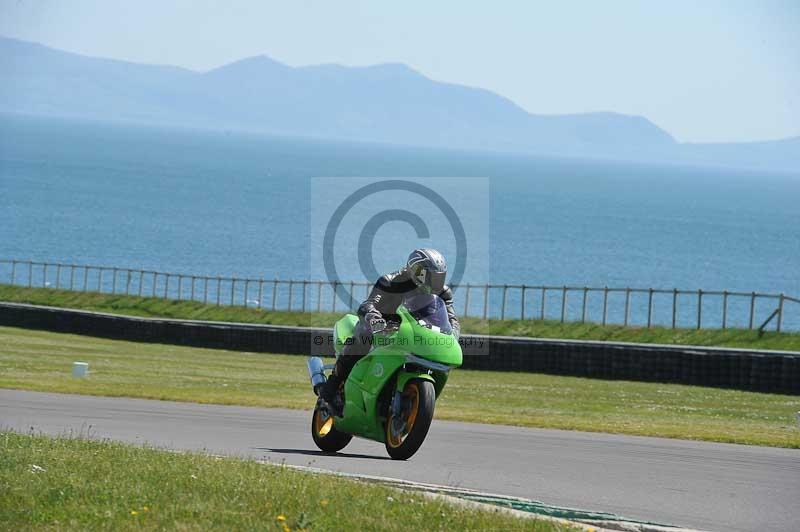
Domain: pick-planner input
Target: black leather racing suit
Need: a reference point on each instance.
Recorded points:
(387, 294)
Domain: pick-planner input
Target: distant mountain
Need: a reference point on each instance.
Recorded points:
(383, 103)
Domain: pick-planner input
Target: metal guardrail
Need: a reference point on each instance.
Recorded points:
(606, 305)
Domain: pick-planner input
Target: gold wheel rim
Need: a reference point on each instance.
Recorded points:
(322, 425)
(411, 392)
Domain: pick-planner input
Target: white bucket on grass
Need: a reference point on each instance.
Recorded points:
(80, 369)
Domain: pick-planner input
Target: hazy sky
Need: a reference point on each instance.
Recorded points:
(704, 70)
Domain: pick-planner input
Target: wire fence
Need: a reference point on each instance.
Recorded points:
(645, 307)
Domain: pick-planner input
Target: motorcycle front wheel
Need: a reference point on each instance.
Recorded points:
(325, 435)
(419, 398)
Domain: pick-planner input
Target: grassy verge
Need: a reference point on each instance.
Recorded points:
(155, 307)
(37, 360)
(69, 483)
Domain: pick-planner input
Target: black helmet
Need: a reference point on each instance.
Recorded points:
(427, 268)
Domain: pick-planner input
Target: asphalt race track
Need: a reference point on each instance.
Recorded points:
(694, 484)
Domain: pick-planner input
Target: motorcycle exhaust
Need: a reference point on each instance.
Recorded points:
(316, 371)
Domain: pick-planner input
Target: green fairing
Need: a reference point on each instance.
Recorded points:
(428, 344)
(384, 366)
(343, 330)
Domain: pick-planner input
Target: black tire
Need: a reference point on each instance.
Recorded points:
(403, 447)
(333, 440)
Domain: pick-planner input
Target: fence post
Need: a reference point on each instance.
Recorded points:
(166, 286)
(649, 308)
(544, 297)
(85, 278)
(58, 275)
(522, 303)
(155, 282)
(485, 300)
(699, 308)
(205, 290)
(627, 305)
(260, 291)
(180, 286)
(219, 290)
(30, 273)
(44, 276)
(291, 285)
(674, 307)
(466, 302)
(141, 282)
(583, 305)
(274, 292)
(725, 309)
(752, 307)
(100, 279)
(503, 305)
(563, 303)
(780, 312)
(303, 305)
(605, 304)
(72, 276)
(114, 280)
(333, 286)
(233, 289)
(352, 299)
(13, 270)
(127, 282)
(246, 290)
(319, 296)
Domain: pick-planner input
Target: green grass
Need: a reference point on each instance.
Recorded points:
(156, 307)
(80, 484)
(38, 360)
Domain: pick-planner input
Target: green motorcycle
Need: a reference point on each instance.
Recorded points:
(390, 393)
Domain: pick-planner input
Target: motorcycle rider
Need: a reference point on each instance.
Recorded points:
(424, 273)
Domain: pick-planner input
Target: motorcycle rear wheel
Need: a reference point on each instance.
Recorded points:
(417, 417)
(325, 435)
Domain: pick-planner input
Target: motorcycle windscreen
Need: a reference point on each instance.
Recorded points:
(429, 310)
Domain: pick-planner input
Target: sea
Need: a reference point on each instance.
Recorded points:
(246, 204)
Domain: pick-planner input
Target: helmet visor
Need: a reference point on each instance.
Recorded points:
(435, 281)
(418, 274)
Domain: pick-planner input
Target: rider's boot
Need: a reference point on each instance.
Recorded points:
(344, 363)
(329, 393)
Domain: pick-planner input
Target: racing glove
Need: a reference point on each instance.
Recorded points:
(376, 324)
